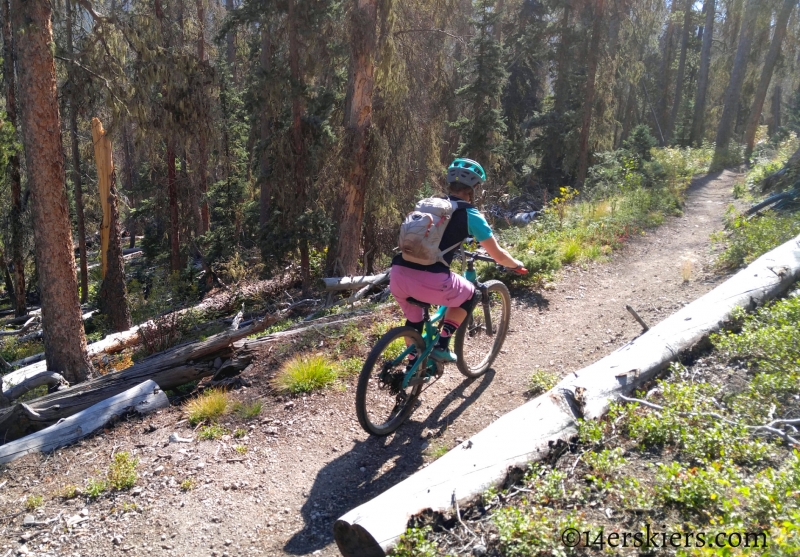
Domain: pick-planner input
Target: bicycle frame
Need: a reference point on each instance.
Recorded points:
(431, 334)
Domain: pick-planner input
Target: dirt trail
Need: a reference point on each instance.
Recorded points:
(308, 461)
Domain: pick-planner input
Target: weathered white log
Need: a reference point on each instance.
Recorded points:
(28, 324)
(142, 398)
(353, 283)
(16, 385)
(523, 435)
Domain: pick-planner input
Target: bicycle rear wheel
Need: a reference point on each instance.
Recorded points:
(475, 347)
(382, 404)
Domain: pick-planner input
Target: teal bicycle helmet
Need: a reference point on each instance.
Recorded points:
(467, 172)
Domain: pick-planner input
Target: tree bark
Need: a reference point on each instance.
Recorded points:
(76, 159)
(265, 192)
(766, 75)
(230, 44)
(666, 70)
(588, 103)
(732, 93)
(130, 181)
(64, 340)
(298, 147)
(172, 189)
(562, 78)
(202, 149)
(358, 122)
(676, 104)
(13, 169)
(776, 110)
(698, 122)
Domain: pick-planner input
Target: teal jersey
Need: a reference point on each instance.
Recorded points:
(477, 225)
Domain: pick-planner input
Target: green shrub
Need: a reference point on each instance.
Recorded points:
(748, 239)
(541, 381)
(211, 432)
(95, 487)
(122, 471)
(305, 373)
(415, 543)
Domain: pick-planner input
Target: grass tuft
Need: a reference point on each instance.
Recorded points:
(304, 373)
(208, 407)
(248, 410)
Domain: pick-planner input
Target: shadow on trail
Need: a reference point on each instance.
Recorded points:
(341, 485)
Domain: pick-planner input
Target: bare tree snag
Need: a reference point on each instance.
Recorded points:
(524, 434)
(113, 292)
(766, 76)
(141, 398)
(64, 340)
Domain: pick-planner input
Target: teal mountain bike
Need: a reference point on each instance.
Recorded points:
(389, 386)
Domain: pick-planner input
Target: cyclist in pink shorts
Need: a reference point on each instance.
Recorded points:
(436, 284)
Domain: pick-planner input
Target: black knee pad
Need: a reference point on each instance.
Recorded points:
(470, 304)
(415, 325)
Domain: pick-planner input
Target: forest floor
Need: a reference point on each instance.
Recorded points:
(305, 461)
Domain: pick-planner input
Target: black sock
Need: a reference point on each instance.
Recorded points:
(448, 328)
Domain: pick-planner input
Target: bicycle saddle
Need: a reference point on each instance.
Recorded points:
(423, 305)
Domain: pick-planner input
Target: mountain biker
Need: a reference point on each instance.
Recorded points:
(436, 284)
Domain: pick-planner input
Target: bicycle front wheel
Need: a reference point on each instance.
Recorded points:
(475, 345)
(382, 404)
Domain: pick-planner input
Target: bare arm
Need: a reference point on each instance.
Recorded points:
(499, 254)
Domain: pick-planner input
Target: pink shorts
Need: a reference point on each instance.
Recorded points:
(440, 289)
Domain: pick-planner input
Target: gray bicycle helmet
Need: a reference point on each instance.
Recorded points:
(467, 172)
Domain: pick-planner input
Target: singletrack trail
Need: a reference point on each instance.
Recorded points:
(309, 461)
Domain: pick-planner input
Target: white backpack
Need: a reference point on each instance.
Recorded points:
(422, 231)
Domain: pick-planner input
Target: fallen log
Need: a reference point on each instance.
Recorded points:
(526, 433)
(353, 283)
(27, 325)
(142, 398)
(16, 385)
(168, 369)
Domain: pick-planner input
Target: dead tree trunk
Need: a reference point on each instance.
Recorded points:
(358, 122)
(65, 343)
(14, 175)
(732, 93)
(588, 102)
(698, 122)
(766, 76)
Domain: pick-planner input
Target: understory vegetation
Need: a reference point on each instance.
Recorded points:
(627, 192)
(748, 237)
(711, 449)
